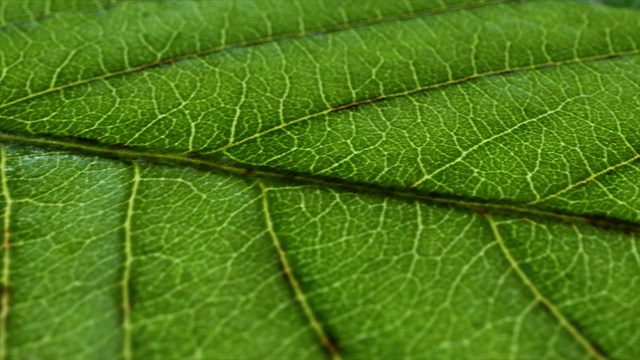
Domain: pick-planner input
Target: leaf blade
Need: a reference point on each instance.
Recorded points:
(372, 264)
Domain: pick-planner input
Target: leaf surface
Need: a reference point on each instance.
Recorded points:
(196, 179)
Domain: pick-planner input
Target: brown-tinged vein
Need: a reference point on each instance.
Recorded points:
(255, 42)
(6, 258)
(551, 307)
(128, 154)
(427, 88)
(317, 327)
(128, 261)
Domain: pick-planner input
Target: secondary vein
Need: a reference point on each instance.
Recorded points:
(250, 43)
(421, 89)
(126, 278)
(590, 178)
(564, 322)
(6, 258)
(293, 282)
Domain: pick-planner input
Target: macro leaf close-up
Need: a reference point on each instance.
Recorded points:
(320, 179)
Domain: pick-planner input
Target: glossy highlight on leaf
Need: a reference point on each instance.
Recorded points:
(454, 179)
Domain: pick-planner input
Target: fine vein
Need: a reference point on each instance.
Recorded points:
(592, 177)
(293, 282)
(564, 322)
(126, 279)
(250, 43)
(6, 260)
(457, 81)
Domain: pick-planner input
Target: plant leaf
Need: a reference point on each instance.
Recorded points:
(634, 4)
(196, 179)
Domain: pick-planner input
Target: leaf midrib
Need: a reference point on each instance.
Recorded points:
(129, 154)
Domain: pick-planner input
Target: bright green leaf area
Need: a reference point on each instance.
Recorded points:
(319, 179)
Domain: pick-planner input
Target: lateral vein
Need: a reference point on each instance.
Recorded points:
(6, 258)
(590, 178)
(293, 282)
(564, 322)
(417, 90)
(251, 43)
(126, 278)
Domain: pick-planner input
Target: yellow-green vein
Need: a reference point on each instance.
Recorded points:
(435, 86)
(126, 278)
(293, 282)
(250, 43)
(590, 178)
(6, 259)
(564, 322)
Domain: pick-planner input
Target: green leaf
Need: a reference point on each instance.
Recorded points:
(310, 179)
(622, 3)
